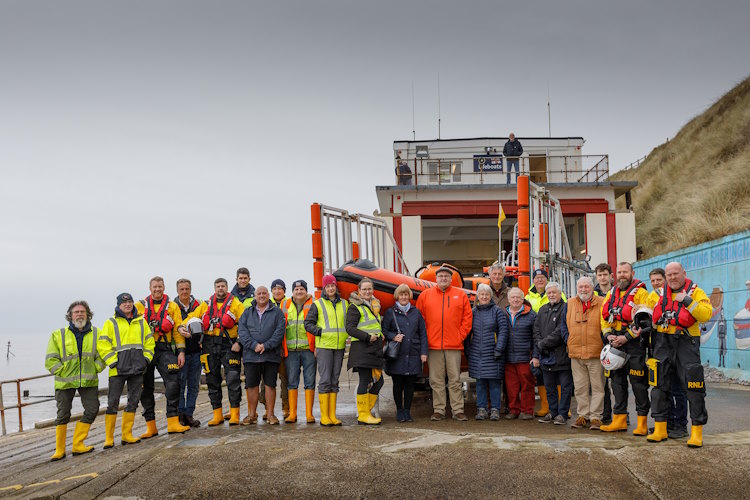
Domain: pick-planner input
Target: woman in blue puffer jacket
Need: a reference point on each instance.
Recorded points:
(488, 330)
(517, 354)
(405, 324)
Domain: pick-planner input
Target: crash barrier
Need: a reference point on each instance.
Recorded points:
(722, 268)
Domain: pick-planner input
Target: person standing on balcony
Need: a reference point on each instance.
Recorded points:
(403, 172)
(74, 361)
(512, 151)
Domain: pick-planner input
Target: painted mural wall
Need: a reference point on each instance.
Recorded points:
(722, 269)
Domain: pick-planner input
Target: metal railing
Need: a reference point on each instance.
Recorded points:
(19, 404)
(635, 164)
(541, 169)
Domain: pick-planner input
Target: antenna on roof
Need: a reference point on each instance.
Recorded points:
(549, 113)
(413, 133)
(438, 82)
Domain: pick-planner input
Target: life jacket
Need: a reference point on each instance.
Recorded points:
(619, 307)
(216, 316)
(676, 312)
(160, 322)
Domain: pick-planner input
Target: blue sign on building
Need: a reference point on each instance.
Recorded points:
(722, 269)
(488, 163)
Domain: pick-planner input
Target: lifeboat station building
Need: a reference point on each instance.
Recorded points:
(444, 203)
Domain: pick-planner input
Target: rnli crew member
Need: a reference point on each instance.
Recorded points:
(448, 318)
(164, 319)
(537, 297)
(677, 421)
(74, 361)
(190, 373)
(261, 331)
(363, 324)
(278, 297)
(243, 290)
(620, 304)
(327, 320)
(676, 345)
(299, 349)
(603, 286)
(221, 349)
(126, 345)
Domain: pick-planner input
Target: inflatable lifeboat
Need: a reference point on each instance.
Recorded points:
(349, 275)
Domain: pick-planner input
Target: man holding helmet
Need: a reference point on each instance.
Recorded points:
(190, 373)
(165, 319)
(676, 343)
(620, 304)
(220, 316)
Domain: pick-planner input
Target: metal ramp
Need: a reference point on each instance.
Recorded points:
(338, 237)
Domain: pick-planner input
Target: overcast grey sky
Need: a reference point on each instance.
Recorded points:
(187, 138)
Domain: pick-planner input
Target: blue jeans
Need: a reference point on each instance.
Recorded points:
(491, 386)
(190, 377)
(512, 164)
(563, 378)
(300, 360)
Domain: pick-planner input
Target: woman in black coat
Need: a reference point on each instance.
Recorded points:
(366, 351)
(405, 324)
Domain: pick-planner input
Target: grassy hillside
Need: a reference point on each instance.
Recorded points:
(696, 187)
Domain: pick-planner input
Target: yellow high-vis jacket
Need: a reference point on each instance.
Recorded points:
(235, 309)
(126, 346)
(700, 308)
(640, 298)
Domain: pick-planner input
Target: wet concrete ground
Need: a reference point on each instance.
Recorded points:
(418, 460)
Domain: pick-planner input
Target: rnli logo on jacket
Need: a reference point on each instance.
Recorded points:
(637, 373)
(234, 361)
(173, 366)
(695, 385)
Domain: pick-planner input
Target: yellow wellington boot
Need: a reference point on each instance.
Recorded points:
(332, 408)
(127, 428)
(234, 416)
(659, 434)
(642, 428)
(109, 430)
(323, 401)
(309, 402)
(174, 426)
(619, 423)
(364, 417)
(544, 409)
(218, 418)
(292, 418)
(81, 432)
(696, 437)
(151, 430)
(61, 433)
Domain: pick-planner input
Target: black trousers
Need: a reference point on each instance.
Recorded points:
(220, 355)
(366, 379)
(89, 400)
(679, 353)
(166, 362)
(403, 390)
(635, 372)
(116, 386)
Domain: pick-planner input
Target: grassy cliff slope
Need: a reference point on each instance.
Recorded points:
(696, 187)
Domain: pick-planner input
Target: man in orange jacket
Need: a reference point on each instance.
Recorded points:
(447, 315)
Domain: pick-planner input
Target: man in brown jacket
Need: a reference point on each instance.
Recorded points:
(582, 331)
(499, 288)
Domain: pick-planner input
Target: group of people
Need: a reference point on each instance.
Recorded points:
(512, 342)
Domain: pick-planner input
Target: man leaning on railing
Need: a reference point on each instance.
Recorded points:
(512, 151)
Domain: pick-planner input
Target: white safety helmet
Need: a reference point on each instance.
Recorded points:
(613, 359)
(195, 326)
(643, 317)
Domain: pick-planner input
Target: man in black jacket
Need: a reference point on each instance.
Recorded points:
(512, 151)
(550, 351)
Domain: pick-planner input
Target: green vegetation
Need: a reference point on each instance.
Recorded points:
(696, 187)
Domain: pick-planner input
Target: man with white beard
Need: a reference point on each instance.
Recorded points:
(582, 332)
(73, 360)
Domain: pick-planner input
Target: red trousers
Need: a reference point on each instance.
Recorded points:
(520, 383)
